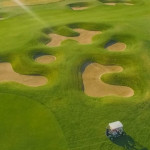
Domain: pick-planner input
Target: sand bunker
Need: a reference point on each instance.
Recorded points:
(115, 46)
(79, 8)
(111, 4)
(93, 86)
(85, 37)
(7, 74)
(45, 59)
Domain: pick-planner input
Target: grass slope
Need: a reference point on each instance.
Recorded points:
(82, 119)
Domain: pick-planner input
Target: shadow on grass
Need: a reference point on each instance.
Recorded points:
(128, 143)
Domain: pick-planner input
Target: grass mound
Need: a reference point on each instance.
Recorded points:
(79, 4)
(90, 26)
(37, 52)
(44, 39)
(65, 31)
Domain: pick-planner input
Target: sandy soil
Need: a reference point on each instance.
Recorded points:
(95, 87)
(79, 8)
(85, 37)
(45, 59)
(116, 46)
(112, 4)
(7, 74)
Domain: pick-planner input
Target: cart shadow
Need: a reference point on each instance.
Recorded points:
(128, 143)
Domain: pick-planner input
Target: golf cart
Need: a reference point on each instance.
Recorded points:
(114, 130)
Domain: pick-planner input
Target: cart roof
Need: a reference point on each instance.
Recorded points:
(115, 125)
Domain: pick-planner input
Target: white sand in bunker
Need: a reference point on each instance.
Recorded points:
(85, 37)
(45, 59)
(7, 74)
(79, 8)
(95, 87)
(116, 46)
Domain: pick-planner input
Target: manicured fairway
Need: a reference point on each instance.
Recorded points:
(59, 115)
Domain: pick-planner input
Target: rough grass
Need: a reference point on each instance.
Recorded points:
(82, 119)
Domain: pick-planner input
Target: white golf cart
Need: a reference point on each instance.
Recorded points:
(114, 130)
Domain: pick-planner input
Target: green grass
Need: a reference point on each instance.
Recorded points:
(26, 124)
(10, 3)
(115, 1)
(78, 122)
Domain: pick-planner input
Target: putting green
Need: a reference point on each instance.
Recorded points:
(26, 124)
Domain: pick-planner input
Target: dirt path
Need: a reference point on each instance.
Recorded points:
(85, 37)
(95, 87)
(7, 74)
(45, 59)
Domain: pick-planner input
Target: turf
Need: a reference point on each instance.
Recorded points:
(78, 122)
(26, 124)
(10, 3)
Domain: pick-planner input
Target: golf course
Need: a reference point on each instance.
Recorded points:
(68, 68)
